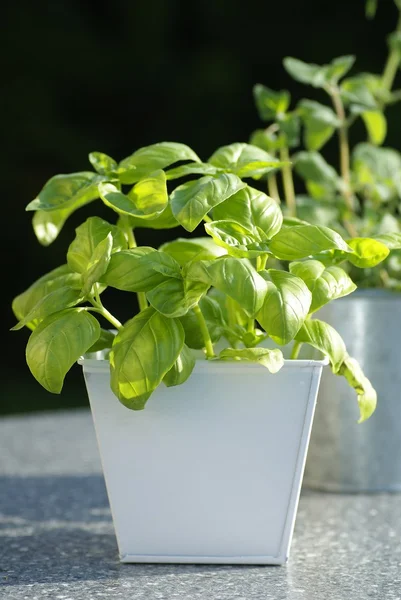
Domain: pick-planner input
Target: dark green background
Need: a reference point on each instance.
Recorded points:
(83, 76)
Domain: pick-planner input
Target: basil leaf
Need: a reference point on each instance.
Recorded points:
(102, 163)
(325, 338)
(285, 307)
(270, 103)
(297, 242)
(244, 160)
(186, 250)
(367, 397)
(58, 299)
(391, 240)
(105, 341)
(67, 191)
(320, 122)
(147, 199)
(175, 297)
(215, 322)
(367, 252)
(143, 352)
(98, 264)
(236, 239)
(196, 168)
(273, 360)
(192, 201)
(181, 369)
(376, 126)
(57, 343)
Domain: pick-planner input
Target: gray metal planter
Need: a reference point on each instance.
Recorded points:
(345, 456)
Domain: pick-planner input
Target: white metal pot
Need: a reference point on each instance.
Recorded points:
(210, 471)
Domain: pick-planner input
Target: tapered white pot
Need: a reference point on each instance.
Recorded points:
(210, 471)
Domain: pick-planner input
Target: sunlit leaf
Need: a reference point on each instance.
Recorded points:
(273, 360)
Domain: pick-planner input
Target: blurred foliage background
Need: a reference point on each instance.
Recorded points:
(115, 76)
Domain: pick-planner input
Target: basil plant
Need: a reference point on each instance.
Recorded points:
(360, 195)
(247, 289)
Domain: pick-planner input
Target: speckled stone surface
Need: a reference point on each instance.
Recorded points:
(57, 540)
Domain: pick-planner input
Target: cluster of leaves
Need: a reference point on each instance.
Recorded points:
(363, 196)
(252, 284)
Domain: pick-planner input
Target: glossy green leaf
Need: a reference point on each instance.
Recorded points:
(185, 250)
(301, 241)
(151, 158)
(375, 166)
(144, 351)
(326, 284)
(196, 168)
(140, 269)
(273, 360)
(367, 397)
(60, 277)
(244, 160)
(215, 322)
(175, 297)
(147, 199)
(235, 277)
(192, 201)
(367, 252)
(285, 307)
(320, 122)
(88, 236)
(57, 343)
(98, 263)
(102, 163)
(48, 224)
(58, 299)
(104, 342)
(163, 220)
(308, 73)
(391, 240)
(181, 369)
(376, 126)
(313, 167)
(67, 191)
(269, 102)
(236, 239)
(252, 209)
(325, 338)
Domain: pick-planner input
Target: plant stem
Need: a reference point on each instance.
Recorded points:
(273, 187)
(295, 350)
(288, 182)
(344, 146)
(261, 262)
(207, 219)
(392, 64)
(142, 301)
(251, 325)
(205, 332)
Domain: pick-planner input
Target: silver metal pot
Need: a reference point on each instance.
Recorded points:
(345, 456)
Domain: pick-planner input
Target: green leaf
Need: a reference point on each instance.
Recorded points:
(98, 264)
(192, 201)
(175, 297)
(151, 158)
(301, 241)
(370, 8)
(48, 224)
(67, 191)
(144, 351)
(376, 126)
(391, 240)
(244, 160)
(104, 342)
(58, 299)
(147, 199)
(367, 252)
(88, 235)
(270, 103)
(164, 220)
(266, 140)
(60, 277)
(181, 369)
(367, 397)
(236, 239)
(235, 277)
(394, 41)
(103, 164)
(325, 338)
(253, 210)
(140, 269)
(273, 360)
(308, 73)
(185, 250)
(355, 91)
(196, 168)
(286, 305)
(320, 123)
(57, 343)
(325, 283)
(290, 126)
(339, 67)
(313, 167)
(375, 166)
(215, 322)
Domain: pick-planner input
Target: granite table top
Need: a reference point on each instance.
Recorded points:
(57, 539)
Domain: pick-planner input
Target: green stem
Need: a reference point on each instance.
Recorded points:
(205, 332)
(273, 187)
(344, 146)
(288, 182)
(295, 350)
(142, 301)
(392, 64)
(261, 262)
(251, 325)
(207, 219)
(107, 315)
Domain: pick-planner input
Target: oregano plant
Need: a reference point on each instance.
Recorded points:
(246, 289)
(360, 195)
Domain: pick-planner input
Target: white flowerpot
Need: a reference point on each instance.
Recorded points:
(210, 471)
